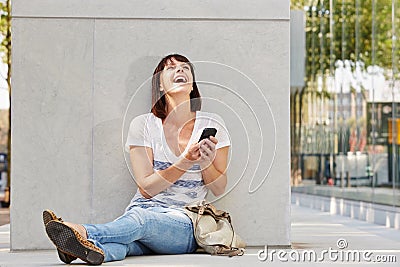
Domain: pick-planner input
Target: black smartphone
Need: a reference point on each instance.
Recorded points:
(207, 132)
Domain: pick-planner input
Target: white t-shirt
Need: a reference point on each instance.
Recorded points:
(147, 130)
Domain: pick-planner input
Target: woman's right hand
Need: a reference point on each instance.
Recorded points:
(191, 157)
(202, 153)
(193, 153)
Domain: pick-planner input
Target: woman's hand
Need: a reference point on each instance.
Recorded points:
(207, 151)
(193, 153)
(213, 163)
(202, 153)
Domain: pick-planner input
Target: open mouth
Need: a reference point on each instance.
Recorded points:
(180, 79)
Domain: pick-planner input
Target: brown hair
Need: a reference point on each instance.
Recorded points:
(159, 106)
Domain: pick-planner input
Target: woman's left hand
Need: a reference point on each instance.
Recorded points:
(207, 151)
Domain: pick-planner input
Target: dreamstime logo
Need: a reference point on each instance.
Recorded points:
(330, 254)
(342, 243)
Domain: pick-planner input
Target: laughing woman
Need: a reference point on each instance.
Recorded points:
(171, 167)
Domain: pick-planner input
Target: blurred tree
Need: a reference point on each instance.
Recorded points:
(5, 30)
(354, 32)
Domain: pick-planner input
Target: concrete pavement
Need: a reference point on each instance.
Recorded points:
(312, 230)
(4, 216)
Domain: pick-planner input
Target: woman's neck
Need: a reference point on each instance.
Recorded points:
(178, 111)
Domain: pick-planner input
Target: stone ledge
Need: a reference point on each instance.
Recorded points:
(156, 9)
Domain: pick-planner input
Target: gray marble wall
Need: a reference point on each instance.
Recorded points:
(81, 72)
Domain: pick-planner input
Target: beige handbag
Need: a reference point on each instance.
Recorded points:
(213, 230)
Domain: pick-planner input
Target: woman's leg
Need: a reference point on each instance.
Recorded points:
(173, 233)
(117, 251)
(162, 230)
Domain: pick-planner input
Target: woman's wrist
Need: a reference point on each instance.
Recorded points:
(205, 164)
(184, 164)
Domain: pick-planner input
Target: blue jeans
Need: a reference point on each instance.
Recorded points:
(140, 231)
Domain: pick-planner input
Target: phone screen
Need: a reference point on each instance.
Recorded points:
(207, 132)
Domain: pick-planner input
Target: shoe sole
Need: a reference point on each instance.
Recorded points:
(69, 241)
(48, 216)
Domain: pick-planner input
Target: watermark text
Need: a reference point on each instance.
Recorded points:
(339, 254)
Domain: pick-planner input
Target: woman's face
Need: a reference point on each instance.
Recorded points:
(176, 78)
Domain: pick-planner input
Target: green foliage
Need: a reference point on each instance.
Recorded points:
(362, 30)
(5, 46)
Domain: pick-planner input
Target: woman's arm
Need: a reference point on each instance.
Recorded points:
(151, 183)
(213, 165)
(214, 175)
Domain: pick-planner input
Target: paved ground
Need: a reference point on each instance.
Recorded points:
(311, 231)
(4, 216)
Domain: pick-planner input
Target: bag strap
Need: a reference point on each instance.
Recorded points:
(209, 209)
(222, 251)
